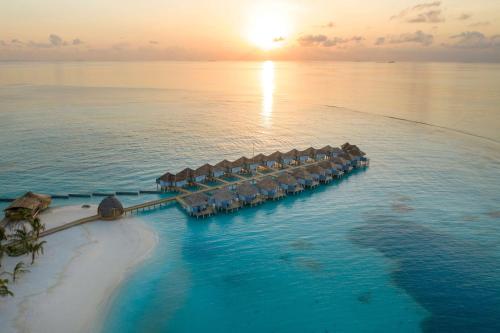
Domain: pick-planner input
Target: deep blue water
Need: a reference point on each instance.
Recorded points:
(410, 244)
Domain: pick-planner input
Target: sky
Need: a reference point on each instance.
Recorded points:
(355, 30)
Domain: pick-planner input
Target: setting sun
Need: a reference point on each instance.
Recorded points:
(268, 30)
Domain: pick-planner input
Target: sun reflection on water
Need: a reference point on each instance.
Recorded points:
(267, 85)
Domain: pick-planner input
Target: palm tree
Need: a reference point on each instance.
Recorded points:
(19, 269)
(35, 248)
(22, 242)
(36, 226)
(4, 290)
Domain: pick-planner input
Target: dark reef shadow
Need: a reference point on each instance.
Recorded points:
(457, 282)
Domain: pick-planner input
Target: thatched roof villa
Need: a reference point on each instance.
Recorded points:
(224, 199)
(203, 173)
(290, 157)
(248, 193)
(29, 204)
(269, 188)
(197, 204)
(319, 173)
(273, 159)
(288, 183)
(240, 165)
(305, 178)
(110, 208)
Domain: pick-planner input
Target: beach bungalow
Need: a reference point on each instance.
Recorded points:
(269, 188)
(289, 183)
(331, 168)
(183, 178)
(248, 194)
(224, 199)
(290, 157)
(28, 205)
(252, 165)
(323, 153)
(166, 181)
(240, 165)
(196, 204)
(260, 159)
(305, 178)
(274, 160)
(320, 173)
(358, 156)
(203, 173)
(336, 151)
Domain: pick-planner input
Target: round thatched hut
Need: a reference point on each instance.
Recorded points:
(110, 208)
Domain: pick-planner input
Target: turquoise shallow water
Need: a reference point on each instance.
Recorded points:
(410, 244)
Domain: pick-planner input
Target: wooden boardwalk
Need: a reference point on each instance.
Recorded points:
(153, 204)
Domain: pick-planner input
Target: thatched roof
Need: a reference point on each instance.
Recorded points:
(339, 160)
(204, 170)
(301, 173)
(240, 162)
(316, 169)
(247, 189)
(267, 184)
(224, 164)
(286, 179)
(352, 149)
(184, 174)
(290, 154)
(276, 156)
(259, 158)
(224, 194)
(110, 207)
(167, 177)
(31, 201)
(196, 199)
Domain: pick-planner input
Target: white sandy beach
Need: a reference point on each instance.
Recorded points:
(69, 287)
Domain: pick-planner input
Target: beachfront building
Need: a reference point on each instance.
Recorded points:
(248, 194)
(305, 178)
(346, 165)
(110, 208)
(323, 153)
(290, 157)
(218, 171)
(319, 173)
(203, 173)
(224, 199)
(289, 183)
(358, 155)
(260, 160)
(336, 151)
(197, 204)
(269, 188)
(28, 205)
(334, 170)
(252, 165)
(306, 155)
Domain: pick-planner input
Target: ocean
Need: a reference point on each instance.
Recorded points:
(412, 243)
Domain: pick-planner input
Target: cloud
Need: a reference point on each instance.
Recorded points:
(418, 37)
(322, 40)
(464, 16)
(474, 40)
(55, 40)
(429, 12)
(380, 41)
(479, 24)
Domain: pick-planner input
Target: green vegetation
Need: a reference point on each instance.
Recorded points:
(21, 242)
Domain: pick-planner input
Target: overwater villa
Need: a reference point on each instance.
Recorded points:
(203, 173)
(290, 157)
(274, 160)
(197, 204)
(240, 165)
(224, 166)
(269, 188)
(224, 199)
(248, 194)
(306, 168)
(320, 173)
(289, 183)
(305, 178)
(26, 206)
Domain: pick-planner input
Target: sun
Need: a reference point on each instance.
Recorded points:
(268, 29)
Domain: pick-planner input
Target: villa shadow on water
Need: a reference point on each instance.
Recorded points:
(458, 283)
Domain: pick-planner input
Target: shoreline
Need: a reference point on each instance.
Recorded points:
(69, 288)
